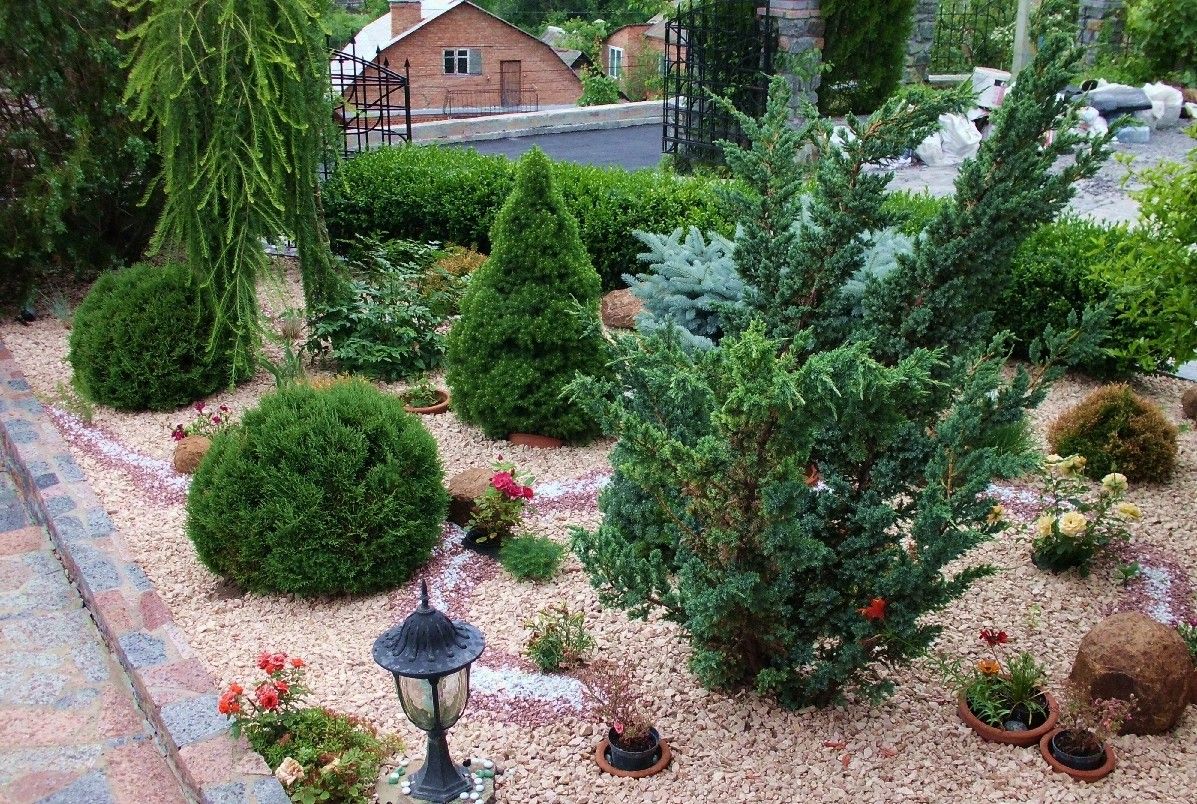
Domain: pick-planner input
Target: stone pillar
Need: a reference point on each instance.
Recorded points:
(1093, 16)
(922, 38)
(800, 30)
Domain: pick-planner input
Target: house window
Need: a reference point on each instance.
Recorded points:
(614, 61)
(463, 61)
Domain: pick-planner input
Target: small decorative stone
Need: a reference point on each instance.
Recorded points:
(406, 790)
(464, 796)
(486, 774)
(1015, 725)
(403, 762)
(392, 778)
(486, 763)
(473, 796)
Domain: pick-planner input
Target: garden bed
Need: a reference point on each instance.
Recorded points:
(739, 748)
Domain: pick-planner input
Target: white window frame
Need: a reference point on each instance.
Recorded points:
(469, 57)
(614, 61)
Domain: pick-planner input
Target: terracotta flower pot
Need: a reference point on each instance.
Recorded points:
(1019, 738)
(533, 440)
(1100, 772)
(664, 755)
(442, 405)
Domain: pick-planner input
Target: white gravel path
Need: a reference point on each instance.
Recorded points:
(728, 748)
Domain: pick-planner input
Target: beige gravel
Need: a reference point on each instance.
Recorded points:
(737, 748)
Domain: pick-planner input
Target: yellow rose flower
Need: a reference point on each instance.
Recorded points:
(1073, 523)
(995, 514)
(1072, 464)
(1128, 510)
(1043, 525)
(1114, 483)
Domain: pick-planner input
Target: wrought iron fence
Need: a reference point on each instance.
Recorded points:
(475, 102)
(371, 102)
(973, 33)
(714, 48)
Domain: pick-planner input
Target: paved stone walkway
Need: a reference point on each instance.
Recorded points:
(70, 731)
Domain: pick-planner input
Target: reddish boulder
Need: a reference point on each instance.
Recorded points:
(189, 452)
(620, 308)
(1188, 402)
(464, 487)
(1132, 654)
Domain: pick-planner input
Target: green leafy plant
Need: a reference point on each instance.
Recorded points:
(1077, 525)
(1116, 430)
(559, 638)
(379, 324)
(319, 755)
(420, 395)
(289, 368)
(499, 510)
(1164, 34)
(319, 492)
(529, 319)
(236, 92)
(140, 340)
(446, 279)
(66, 398)
(1188, 632)
(531, 558)
(598, 88)
(1128, 572)
(1001, 689)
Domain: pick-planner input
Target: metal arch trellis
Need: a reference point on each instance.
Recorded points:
(371, 102)
(717, 47)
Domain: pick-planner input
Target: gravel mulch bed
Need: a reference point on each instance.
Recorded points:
(732, 748)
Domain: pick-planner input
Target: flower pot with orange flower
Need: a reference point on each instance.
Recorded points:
(1002, 698)
(1081, 747)
(500, 509)
(633, 747)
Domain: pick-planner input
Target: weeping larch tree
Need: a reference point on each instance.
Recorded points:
(237, 93)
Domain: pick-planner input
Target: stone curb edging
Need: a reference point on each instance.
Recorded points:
(174, 690)
(549, 121)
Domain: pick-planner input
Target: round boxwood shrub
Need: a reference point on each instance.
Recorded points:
(1116, 430)
(319, 491)
(140, 340)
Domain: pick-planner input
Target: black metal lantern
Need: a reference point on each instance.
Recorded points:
(430, 656)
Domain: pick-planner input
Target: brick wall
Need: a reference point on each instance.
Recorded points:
(541, 70)
(800, 29)
(1093, 15)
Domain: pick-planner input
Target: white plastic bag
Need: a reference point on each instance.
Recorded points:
(1090, 123)
(1166, 103)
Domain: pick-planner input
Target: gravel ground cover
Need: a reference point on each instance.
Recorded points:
(733, 748)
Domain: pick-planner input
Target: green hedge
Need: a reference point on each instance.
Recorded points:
(451, 195)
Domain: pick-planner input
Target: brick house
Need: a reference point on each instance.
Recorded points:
(466, 62)
(634, 53)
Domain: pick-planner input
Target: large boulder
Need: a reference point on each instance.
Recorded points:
(189, 452)
(1188, 402)
(1132, 654)
(464, 488)
(620, 308)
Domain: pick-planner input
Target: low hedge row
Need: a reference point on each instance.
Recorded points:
(451, 195)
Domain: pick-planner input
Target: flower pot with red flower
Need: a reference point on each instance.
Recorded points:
(193, 439)
(633, 747)
(1002, 698)
(1080, 746)
(500, 509)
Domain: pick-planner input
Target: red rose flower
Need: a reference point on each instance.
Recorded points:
(282, 686)
(236, 688)
(267, 697)
(875, 610)
(272, 662)
(228, 704)
(993, 638)
(297, 662)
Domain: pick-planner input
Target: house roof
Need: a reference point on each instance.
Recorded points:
(376, 36)
(573, 58)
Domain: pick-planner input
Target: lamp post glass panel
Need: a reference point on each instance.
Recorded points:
(430, 656)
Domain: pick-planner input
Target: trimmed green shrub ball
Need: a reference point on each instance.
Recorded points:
(1116, 430)
(140, 340)
(319, 492)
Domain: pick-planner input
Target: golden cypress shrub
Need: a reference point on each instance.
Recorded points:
(1116, 430)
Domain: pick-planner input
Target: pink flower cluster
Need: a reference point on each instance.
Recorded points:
(506, 484)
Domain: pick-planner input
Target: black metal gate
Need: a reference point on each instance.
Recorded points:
(716, 47)
(371, 102)
(973, 33)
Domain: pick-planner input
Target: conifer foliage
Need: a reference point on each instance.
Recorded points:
(237, 92)
(529, 319)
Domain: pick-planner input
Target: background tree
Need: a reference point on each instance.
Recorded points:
(237, 93)
(865, 50)
(529, 319)
(76, 167)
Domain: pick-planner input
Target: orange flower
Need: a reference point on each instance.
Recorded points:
(989, 667)
(297, 662)
(236, 689)
(228, 704)
(875, 610)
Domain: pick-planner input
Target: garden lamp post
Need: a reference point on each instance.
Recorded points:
(430, 656)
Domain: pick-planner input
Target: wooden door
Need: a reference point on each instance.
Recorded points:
(509, 83)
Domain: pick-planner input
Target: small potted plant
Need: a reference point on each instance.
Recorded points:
(193, 439)
(632, 747)
(424, 399)
(1188, 632)
(1081, 745)
(1076, 524)
(1002, 698)
(499, 510)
